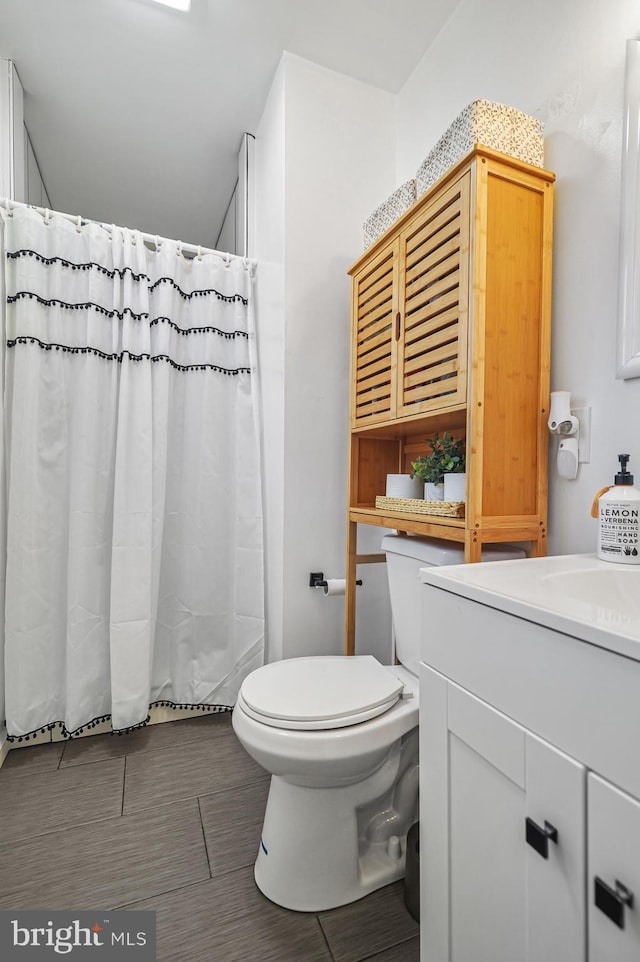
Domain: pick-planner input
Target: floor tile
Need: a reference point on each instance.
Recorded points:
(159, 777)
(195, 803)
(45, 801)
(228, 920)
(232, 823)
(79, 751)
(23, 761)
(405, 952)
(360, 929)
(105, 864)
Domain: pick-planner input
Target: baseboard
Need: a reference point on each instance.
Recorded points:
(162, 713)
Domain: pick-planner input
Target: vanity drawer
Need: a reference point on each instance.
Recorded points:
(579, 697)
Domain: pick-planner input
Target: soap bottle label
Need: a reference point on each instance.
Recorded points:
(619, 531)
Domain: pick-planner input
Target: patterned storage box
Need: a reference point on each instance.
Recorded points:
(387, 214)
(493, 125)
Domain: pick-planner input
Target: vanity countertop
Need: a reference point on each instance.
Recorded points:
(578, 595)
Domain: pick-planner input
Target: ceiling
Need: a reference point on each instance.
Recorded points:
(136, 111)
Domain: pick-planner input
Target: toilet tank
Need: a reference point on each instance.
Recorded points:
(406, 554)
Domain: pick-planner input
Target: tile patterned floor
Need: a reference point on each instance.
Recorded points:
(168, 818)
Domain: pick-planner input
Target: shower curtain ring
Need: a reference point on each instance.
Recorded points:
(47, 215)
(79, 224)
(199, 255)
(158, 245)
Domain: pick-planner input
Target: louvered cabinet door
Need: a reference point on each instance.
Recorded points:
(375, 331)
(434, 280)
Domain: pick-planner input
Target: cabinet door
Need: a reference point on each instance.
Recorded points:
(613, 861)
(375, 331)
(488, 895)
(434, 285)
(555, 796)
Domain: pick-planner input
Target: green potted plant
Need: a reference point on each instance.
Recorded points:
(446, 457)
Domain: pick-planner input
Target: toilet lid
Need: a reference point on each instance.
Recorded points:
(319, 692)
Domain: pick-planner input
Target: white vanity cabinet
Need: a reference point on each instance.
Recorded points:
(530, 784)
(614, 857)
(498, 784)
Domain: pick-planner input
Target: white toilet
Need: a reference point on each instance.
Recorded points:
(340, 737)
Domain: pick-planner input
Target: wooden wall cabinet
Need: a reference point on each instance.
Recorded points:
(451, 331)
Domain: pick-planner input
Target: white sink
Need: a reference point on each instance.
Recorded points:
(597, 594)
(579, 595)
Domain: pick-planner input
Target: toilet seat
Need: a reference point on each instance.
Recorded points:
(323, 692)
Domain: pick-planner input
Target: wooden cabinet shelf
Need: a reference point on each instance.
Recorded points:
(451, 332)
(434, 526)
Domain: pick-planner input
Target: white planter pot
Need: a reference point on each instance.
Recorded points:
(433, 492)
(403, 486)
(455, 487)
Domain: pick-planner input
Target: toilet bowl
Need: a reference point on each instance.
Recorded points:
(323, 843)
(339, 736)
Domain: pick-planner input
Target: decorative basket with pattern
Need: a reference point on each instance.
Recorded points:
(493, 125)
(449, 509)
(388, 213)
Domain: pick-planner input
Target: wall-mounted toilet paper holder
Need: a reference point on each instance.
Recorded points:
(317, 580)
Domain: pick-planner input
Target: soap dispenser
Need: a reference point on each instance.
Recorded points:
(619, 518)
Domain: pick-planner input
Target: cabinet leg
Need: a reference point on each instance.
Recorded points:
(350, 593)
(538, 548)
(472, 548)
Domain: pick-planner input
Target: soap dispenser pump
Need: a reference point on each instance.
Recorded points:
(619, 518)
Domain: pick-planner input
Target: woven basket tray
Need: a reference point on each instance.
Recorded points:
(450, 509)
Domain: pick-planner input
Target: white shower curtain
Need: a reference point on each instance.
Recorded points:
(133, 511)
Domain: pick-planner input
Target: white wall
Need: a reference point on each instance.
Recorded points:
(563, 62)
(12, 185)
(325, 158)
(35, 190)
(323, 164)
(233, 233)
(20, 177)
(267, 243)
(227, 238)
(245, 198)
(12, 141)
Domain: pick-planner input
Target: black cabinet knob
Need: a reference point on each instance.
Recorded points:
(612, 901)
(539, 838)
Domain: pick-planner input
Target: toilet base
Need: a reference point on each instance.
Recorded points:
(311, 857)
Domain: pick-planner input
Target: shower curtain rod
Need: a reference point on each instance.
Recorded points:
(153, 239)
